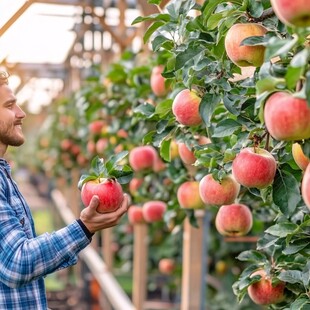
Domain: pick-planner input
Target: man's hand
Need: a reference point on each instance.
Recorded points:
(95, 221)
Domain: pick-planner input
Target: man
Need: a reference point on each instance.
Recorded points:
(24, 257)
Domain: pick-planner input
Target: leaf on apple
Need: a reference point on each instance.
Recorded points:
(112, 168)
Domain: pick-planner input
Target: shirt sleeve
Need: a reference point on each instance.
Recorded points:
(23, 260)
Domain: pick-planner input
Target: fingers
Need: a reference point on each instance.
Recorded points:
(94, 203)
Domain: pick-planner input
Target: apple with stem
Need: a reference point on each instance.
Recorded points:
(218, 192)
(104, 180)
(264, 291)
(254, 167)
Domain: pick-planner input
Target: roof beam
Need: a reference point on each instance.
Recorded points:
(29, 70)
(16, 16)
(82, 3)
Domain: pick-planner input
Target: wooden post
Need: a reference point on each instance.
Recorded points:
(107, 252)
(140, 266)
(194, 267)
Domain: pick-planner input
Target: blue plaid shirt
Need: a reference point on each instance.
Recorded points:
(26, 258)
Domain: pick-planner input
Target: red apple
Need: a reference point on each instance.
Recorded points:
(142, 157)
(188, 195)
(217, 193)
(305, 187)
(157, 81)
(299, 156)
(187, 156)
(292, 13)
(109, 191)
(134, 185)
(254, 167)
(95, 127)
(166, 266)
(287, 117)
(244, 56)
(135, 215)
(153, 211)
(185, 108)
(101, 145)
(66, 144)
(234, 220)
(264, 292)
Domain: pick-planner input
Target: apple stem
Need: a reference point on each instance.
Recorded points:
(266, 14)
(267, 140)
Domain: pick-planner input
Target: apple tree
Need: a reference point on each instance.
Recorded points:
(248, 62)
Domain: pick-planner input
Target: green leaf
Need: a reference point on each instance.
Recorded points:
(291, 276)
(295, 247)
(164, 107)
(300, 59)
(255, 8)
(286, 193)
(114, 160)
(282, 229)
(145, 109)
(207, 106)
(277, 47)
(153, 17)
(165, 150)
(159, 41)
(123, 176)
(252, 256)
(300, 302)
(85, 178)
(151, 30)
(98, 167)
(226, 128)
(189, 54)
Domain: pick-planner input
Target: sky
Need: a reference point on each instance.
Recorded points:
(42, 34)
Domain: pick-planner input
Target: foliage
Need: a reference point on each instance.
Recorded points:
(188, 39)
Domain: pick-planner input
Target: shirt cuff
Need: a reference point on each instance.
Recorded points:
(85, 229)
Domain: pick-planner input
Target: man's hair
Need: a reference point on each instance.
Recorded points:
(4, 77)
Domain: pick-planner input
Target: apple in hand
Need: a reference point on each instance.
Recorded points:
(287, 117)
(234, 220)
(305, 187)
(213, 192)
(153, 211)
(109, 191)
(254, 167)
(188, 195)
(135, 215)
(264, 292)
(104, 180)
(299, 156)
(244, 56)
(166, 266)
(292, 13)
(142, 157)
(157, 81)
(185, 108)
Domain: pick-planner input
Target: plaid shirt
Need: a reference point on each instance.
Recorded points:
(26, 258)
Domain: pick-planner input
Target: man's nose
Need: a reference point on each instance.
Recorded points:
(20, 112)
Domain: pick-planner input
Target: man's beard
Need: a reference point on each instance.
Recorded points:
(8, 135)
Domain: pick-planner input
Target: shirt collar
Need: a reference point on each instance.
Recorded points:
(5, 165)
